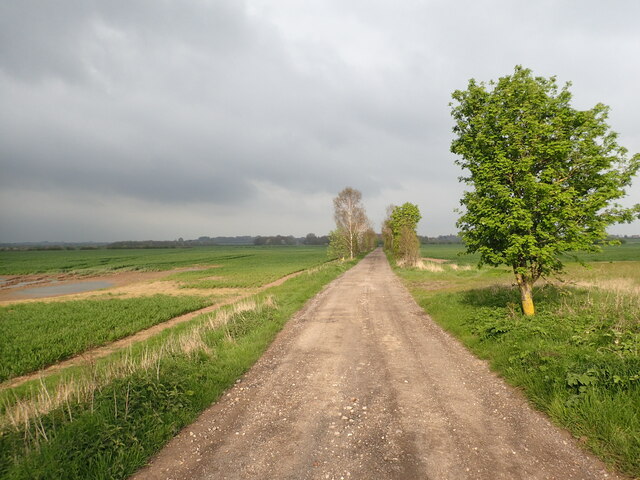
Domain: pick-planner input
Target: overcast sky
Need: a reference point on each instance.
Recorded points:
(146, 119)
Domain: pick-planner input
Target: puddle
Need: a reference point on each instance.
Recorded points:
(3, 280)
(50, 291)
(33, 282)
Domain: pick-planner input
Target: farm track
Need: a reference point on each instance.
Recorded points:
(363, 384)
(90, 356)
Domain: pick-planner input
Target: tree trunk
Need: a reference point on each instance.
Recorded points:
(526, 295)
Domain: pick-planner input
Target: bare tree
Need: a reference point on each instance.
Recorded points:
(351, 222)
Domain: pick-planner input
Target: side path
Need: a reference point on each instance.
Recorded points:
(362, 384)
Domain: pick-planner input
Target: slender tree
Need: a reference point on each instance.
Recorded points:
(351, 223)
(544, 175)
(387, 233)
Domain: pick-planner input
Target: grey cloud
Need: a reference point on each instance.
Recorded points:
(228, 105)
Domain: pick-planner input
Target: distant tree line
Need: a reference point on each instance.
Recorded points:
(310, 239)
(276, 240)
(45, 246)
(440, 239)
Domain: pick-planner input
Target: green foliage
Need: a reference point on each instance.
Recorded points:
(401, 232)
(406, 215)
(338, 245)
(35, 335)
(544, 174)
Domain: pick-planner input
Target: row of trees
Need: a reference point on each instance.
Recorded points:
(354, 234)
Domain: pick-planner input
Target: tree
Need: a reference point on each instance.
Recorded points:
(369, 239)
(544, 175)
(387, 234)
(351, 223)
(401, 225)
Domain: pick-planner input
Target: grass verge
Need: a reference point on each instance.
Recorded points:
(162, 385)
(578, 359)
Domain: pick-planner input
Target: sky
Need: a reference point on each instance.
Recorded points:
(147, 119)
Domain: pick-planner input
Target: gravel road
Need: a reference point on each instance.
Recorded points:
(362, 384)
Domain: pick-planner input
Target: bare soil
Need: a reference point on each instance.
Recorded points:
(15, 289)
(362, 384)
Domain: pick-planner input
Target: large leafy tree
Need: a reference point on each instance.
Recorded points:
(544, 175)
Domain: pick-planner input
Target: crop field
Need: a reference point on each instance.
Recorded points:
(42, 333)
(578, 359)
(253, 269)
(86, 262)
(36, 335)
(104, 418)
(455, 252)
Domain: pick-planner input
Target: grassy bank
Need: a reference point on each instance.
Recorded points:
(128, 406)
(578, 359)
(35, 335)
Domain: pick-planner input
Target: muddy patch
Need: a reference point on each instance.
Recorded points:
(17, 288)
(62, 289)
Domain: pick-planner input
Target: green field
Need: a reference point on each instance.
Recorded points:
(254, 268)
(41, 333)
(629, 251)
(105, 419)
(36, 335)
(578, 359)
(104, 260)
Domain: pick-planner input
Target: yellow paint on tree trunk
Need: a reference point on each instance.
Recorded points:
(527, 305)
(526, 295)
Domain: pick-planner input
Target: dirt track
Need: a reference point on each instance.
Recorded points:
(363, 385)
